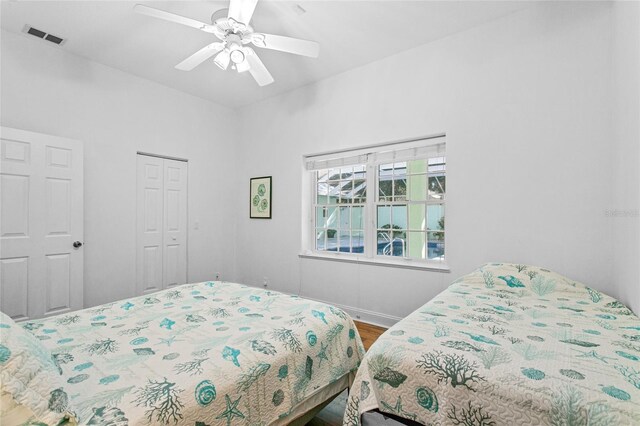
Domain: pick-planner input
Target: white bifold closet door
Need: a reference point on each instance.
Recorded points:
(161, 223)
(41, 224)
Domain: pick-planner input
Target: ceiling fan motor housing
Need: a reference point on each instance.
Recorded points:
(227, 25)
(218, 14)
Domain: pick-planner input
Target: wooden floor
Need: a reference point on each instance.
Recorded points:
(332, 414)
(369, 333)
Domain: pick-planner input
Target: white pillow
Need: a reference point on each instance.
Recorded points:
(29, 375)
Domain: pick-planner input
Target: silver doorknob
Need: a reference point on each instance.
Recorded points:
(77, 244)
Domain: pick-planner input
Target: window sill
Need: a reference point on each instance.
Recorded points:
(392, 263)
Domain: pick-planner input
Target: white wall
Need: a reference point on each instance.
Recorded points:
(47, 90)
(526, 104)
(626, 124)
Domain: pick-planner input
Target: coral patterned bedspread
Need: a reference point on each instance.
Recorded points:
(507, 345)
(212, 353)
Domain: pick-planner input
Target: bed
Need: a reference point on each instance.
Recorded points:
(212, 353)
(505, 345)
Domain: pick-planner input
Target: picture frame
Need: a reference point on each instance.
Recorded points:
(260, 197)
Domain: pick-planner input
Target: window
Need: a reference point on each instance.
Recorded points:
(341, 198)
(385, 202)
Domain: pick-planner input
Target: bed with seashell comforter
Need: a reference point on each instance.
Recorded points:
(212, 353)
(506, 345)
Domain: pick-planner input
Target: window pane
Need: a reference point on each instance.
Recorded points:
(385, 245)
(320, 236)
(357, 218)
(435, 245)
(391, 243)
(322, 187)
(398, 244)
(384, 217)
(400, 234)
(344, 187)
(321, 217)
(417, 187)
(400, 169)
(384, 237)
(357, 242)
(396, 221)
(344, 241)
(322, 197)
(437, 164)
(435, 217)
(416, 166)
(385, 182)
(416, 245)
(345, 218)
(346, 172)
(333, 192)
(331, 218)
(385, 188)
(399, 217)
(359, 191)
(436, 187)
(399, 189)
(332, 240)
(334, 174)
(322, 175)
(416, 219)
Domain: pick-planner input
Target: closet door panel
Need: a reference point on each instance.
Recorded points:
(175, 223)
(161, 223)
(150, 193)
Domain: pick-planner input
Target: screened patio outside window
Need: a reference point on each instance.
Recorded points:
(386, 202)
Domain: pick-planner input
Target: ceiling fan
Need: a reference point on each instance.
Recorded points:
(233, 28)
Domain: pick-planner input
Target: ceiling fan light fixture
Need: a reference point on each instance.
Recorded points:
(222, 59)
(237, 56)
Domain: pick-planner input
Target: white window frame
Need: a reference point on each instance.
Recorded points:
(369, 256)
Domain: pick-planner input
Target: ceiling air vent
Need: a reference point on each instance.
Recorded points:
(43, 35)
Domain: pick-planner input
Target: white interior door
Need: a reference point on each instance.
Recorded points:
(161, 223)
(175, 223)
(41, 224)
(149, 224)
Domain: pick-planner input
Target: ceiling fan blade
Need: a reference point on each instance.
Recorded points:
(172, 17)
(200, 56)
(259, 72)
(242, 10)
(288, 44)
(243, 66)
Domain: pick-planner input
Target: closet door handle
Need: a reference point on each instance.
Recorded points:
(77, 244)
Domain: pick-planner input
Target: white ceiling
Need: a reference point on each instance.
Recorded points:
(350, 33)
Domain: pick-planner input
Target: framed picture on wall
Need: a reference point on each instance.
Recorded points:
(260, 198)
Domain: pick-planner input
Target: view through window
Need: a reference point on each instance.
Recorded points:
(404, 197)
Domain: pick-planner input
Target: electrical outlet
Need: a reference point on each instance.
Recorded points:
(265, 282)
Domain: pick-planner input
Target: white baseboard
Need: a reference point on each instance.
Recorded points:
(363, 315)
